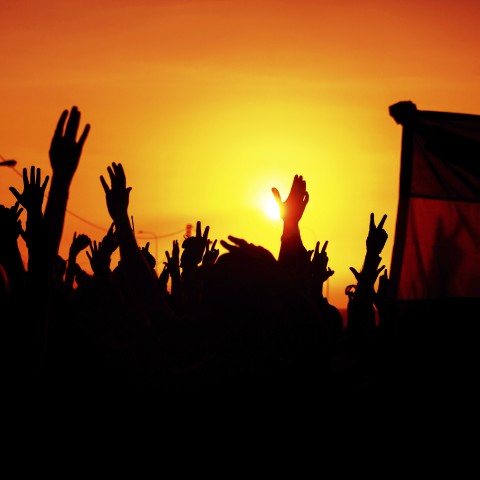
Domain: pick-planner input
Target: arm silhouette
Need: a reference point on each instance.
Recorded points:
(194, 248)
(292, 250)
(141, 279)
(361, 310)
(191, 274)
(99, 259)
(10, 257)
(172, 266)
(65, 152)
(31, 199)
(321, 272)
(211, 253)
(79, 243)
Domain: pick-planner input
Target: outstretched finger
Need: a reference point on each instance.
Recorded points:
(382, 221)
(295, 182)
(17, 210)
(372, 222)
(276, 196)
(120, 174)
(104, 184)
(380, 269)
(15, 192)
(325, 246)
(32, 176)
(206, 232)
(36, 178)
(72, 124)
(306, 198)
(61, 124)
(238, 241)
(25, 177)
(45, 183)
(84, 135)
(227, 246)
(111, 174)
(355, 273)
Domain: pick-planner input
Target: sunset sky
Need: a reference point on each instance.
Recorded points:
(210, 104)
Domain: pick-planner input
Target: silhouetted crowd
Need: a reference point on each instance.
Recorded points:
(234, 324)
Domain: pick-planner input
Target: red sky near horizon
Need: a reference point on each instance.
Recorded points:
(209, 104)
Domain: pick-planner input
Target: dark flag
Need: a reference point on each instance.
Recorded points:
(431, 322)
(436, 253)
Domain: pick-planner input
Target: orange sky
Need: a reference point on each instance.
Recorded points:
(209, 104)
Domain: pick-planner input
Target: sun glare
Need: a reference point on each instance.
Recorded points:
(270, 208)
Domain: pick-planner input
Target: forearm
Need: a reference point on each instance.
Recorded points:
(291, 247)
(140, 276)
(368, 276)
(55, 211)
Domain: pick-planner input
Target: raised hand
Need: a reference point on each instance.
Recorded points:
(238, 245)
(211, 253)
(361, 275)
(194, 247)
(163, 280)
(10, 257)
(10, 223)
(377, 236)
(173, 262)
(172, 268)
(110, 240)
(33, 190)
(65, 150)
(79, 243)
(99, 259)
(118, 194)
(292, 209)
(241, 247)
(151, 260)
(320, 270)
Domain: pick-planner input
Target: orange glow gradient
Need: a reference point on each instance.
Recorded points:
(209, 104)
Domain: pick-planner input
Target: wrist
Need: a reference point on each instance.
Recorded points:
(290, 230)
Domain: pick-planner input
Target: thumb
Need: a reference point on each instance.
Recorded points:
(276, 196)
(355, 273)
(15, 192)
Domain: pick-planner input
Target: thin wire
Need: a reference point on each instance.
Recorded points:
(165, 235)
(84, 220)
(87, 221)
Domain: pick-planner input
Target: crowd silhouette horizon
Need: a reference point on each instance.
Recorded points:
(243, 322)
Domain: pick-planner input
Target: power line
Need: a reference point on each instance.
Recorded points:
(12, 163)
(165, 235)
